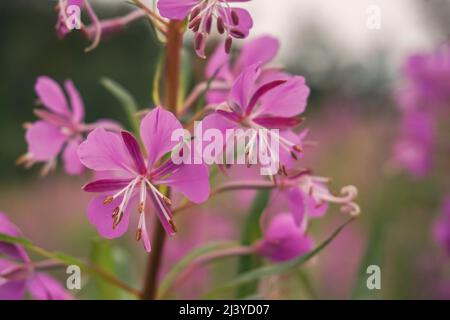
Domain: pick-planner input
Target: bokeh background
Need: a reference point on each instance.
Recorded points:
(352, 71)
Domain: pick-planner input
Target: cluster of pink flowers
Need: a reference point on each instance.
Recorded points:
(424, 101)
(132, 169)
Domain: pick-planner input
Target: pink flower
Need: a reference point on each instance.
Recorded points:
(18, 273)
(140, 176)
(260, 50)
(60, 129)
(273, 104)
(308, 197)
(427, 81)
(233, 22)
(414, 148)
(441, 229)
(69, 18)
(283, 240)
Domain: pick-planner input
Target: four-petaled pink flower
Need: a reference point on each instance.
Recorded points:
(233, 22)
(259, 50)
(18, 273)
(283, 240)
(271, 104)
(60, 129)
(139, 175)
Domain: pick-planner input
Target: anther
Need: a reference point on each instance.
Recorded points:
(138, 234)
(228, 44)
(108, 200)
(173, 225)
(234, 17)
(297, 148)
(199, 38)
(237, 33)
(220, 25)
(293, 155)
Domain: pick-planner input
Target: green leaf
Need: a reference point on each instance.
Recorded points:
(250, 234)
(126, 100)
(102, 255)
(280, 268)
(173, 274)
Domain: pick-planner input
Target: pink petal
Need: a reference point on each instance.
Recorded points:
(176, 9)
(217, 96)
(12, 290)
(245, 22)
(287, 100)
(281, 123)
(260, 92)
(11, 250)
(283, 240)
(45, 287)
(192, 180)
(296, 202)
(163, 212)
(72, 164)
(134, 151)
(105, 151)
(244, 86)
(100, 215)
(44, 140)
(51, 95)
(218, 64)
(156, 132)
(106, 185)
(260, 50)
(76, 102)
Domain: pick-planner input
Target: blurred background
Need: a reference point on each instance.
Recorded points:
(353, 72)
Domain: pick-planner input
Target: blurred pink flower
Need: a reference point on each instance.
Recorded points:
(283, 240)
(413, 150)
(233, 22)
(277, 104)
(106, 151)
(441, 229)
(60, 129)
(427, 81)
(18, 273)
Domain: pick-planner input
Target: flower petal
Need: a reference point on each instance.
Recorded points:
(11, 250)
(100, 215)
(134, 150)
(106, 185)
(156, 133)
(283, 240)
(244, 86)
(287, 100)
(176, 9)
(12, 290)
(51, 95)
(260, 50)
(192, 180)
(44, 140)
(45, 287)
(76, 102)
(104, 151)
(296, 203)
(72, 164)
(218, 64)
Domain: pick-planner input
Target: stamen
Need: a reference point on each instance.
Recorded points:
(234, 17)
(108, 200)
